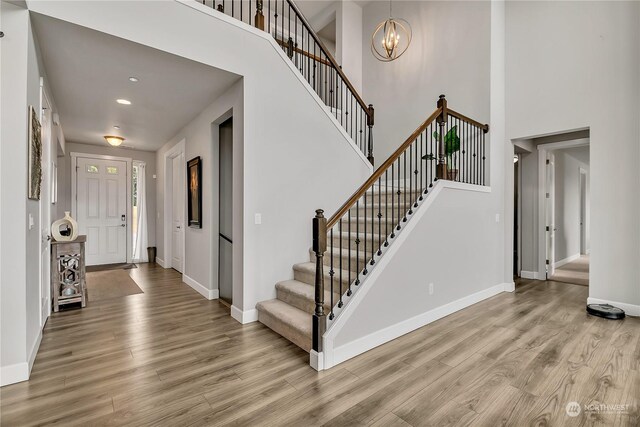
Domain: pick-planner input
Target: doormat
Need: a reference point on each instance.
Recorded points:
(109, 284)
(105, 267)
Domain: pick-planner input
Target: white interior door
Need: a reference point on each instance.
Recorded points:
(177, 211)
(583, 212)
(550, 213)
(45, 213)
(101, 208)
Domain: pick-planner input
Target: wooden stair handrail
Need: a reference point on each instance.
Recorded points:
(381, 169)
(484, 127)
(331, 59)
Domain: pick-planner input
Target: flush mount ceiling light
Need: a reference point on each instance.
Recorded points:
(134, 79)
(116, 127)
(391, 38)
(114, 140)
(123, 101)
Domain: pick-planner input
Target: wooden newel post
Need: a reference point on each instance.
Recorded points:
(441, 167)
(370, 121)
(319, 247)
(259, 18)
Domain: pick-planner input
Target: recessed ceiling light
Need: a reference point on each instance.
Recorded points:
(114, 140)
(116, 127)
(123, 101)
(134, 79)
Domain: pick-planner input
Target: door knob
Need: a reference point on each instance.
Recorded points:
(123, 225)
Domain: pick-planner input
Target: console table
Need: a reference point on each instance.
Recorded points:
(68, 273)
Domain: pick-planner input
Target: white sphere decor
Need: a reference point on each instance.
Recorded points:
(66, 222)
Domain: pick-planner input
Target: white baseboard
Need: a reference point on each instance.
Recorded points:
(244, 316)
(532, 275)
(14, 373)
(161, 263)
(20, 371)
(334, 356)
(509, 286)
(201, 289)
(629, 309)
(316, 360)
(567, 260)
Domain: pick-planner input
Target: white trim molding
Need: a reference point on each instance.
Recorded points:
(565, 261)
(629, 309)
(19, 372)
(161, 262)
(200, 288)
(244, 316)
(534, 275)
(334, 356)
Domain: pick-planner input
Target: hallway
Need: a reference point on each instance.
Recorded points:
(576, 272)
(170, 357)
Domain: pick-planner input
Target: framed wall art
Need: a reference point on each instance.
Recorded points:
(194, 192)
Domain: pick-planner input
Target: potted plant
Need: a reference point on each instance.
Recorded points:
(451, 149)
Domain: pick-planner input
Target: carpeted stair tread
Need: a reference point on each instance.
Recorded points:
(287, 320)
(306, 272)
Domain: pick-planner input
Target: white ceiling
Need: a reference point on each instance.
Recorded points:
(89, 70)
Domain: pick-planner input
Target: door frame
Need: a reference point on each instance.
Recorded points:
(45, 208)
(584, 207)
(172, 153)
(543, 149)
(74, 190)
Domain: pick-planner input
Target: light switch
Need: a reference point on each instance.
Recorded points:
(154, 176)
(258, 219)
(497, 217)
(30, 221)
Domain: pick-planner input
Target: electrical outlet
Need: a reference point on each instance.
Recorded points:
(258, 219)
(430, 288)
(497, 217)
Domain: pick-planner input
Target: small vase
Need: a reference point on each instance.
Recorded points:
(68, 222)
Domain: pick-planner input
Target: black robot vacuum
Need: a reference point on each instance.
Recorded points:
(605, 310)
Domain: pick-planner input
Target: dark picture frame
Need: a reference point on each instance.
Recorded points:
(194, 192)
(35, 155)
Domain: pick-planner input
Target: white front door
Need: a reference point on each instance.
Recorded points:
(45, 213)
(177, 209)
(102, 209)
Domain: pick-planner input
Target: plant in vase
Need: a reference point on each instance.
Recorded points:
(451, 149)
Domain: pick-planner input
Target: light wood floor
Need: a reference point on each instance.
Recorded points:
(170, 357)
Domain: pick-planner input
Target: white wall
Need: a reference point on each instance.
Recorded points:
(64, 178)
(573, 65)
(395, 298)
(350, 42)
(567, 204)
(20, 246)
(295, 156)
(449, 54)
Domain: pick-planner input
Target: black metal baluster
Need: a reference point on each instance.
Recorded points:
(357, 242)
(431, 156)
(410, 148)
(373, 222)
(379, 216)
(404, 186)
(415, 172)
(364, 252)
(340, 262)
(398, 193)
(484, 155)
(393, 207)
(349, 249)
(331, 273)
(423, 186)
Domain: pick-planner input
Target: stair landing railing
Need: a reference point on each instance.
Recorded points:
(291, 30)
(446, 146)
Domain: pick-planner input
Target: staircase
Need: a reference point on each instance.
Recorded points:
(347, 246)
(290, 314)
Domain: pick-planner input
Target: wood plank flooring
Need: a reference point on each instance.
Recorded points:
(170, 357)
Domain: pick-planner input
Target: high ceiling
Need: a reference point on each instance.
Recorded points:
(88, 71)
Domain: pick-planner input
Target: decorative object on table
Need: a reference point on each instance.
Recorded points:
(65, 229)
(391, 38)
(35, 155)
(451, 149)
(68, 284)
(194, 192)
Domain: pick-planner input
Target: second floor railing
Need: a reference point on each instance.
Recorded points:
(291, 30)
(446, 146)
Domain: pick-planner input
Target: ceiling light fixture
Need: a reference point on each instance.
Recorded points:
(123, 101)
(134, 79)
(116, 127)
(391, 38)
(114, 140)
